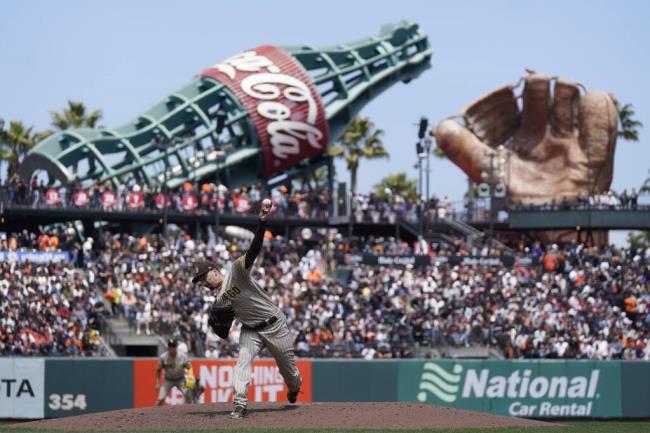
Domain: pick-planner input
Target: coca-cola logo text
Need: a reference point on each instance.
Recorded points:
(282, 102)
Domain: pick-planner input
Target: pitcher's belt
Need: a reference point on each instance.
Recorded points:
(260, 326)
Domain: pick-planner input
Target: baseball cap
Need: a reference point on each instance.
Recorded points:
(202, 268)
(172, 342)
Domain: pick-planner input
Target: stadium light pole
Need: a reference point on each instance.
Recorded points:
(492, 154)
(428, 170)
(330, 185)
(422, 149)
(160, 145)
(425, 146)
(589, 196)
(220, 124)
(508, 157)
(421, 157)
(219, 154)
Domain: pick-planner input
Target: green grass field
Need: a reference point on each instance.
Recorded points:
(567, 427)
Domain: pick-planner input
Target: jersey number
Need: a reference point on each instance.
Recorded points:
(231, 293)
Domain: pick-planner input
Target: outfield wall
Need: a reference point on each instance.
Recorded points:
(47, 387)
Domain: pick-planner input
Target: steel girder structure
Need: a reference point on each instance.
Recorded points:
(235, 119)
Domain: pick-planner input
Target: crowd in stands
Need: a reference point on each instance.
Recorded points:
(608, 200)
(580, 301)
(301, 202)
(300, 199)
(47, 310)
(189, 197)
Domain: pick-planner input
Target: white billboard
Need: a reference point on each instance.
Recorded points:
(22, 388)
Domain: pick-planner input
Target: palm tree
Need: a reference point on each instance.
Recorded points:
(646, 185)
(397, 184)
(629, 129)
(16, 141)
(73, 116)
(638, 240)
(315, 181)
(360, 140)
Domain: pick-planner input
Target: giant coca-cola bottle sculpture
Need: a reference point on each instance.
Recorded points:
(252, 117)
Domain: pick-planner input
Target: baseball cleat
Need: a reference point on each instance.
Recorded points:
(292, 396)
(239, 412)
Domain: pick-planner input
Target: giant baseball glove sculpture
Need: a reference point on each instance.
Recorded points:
(561, 145)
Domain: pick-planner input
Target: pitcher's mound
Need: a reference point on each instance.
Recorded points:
(366, 416)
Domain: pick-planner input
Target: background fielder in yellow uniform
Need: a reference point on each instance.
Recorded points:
(174, 366)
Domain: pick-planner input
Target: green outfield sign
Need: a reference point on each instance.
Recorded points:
(59, 387)
(516, 388)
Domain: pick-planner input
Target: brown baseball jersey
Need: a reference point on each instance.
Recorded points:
(251, 303)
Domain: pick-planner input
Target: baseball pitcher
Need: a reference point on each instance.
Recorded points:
(175, 366)
(237, 295)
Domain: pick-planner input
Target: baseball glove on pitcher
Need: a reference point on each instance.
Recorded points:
(221, 318)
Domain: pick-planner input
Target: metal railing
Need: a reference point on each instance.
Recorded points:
(104, 349)
(107, 333)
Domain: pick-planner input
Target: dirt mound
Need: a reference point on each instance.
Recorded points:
(266, 416)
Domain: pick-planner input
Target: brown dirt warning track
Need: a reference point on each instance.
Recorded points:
(366, 416)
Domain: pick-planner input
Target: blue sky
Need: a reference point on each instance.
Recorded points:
(122, 56)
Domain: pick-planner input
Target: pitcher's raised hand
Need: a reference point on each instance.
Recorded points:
(265, 209)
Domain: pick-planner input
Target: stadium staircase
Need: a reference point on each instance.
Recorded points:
(408, 227)
(473, 235)
(442, 238)
(413, 230)
(125, 342)
(104, 349)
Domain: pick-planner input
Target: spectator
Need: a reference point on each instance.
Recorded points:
(582, 301)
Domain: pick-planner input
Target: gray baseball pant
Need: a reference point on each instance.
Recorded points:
(277, 339)
(167, 386)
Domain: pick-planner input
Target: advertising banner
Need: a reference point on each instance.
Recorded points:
(36, 388)
(217, 378)
(81, 198)
(136, 199)
(424, 260)
(507, 261)
(517, 388)
(160, 201)
(383, 260)
(108, 199)
(21, 388)
(80, 386)
(282, 102)
(34, 256)
(52, 196)
(190, 202)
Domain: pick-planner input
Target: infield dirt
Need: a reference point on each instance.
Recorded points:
(365, 416)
